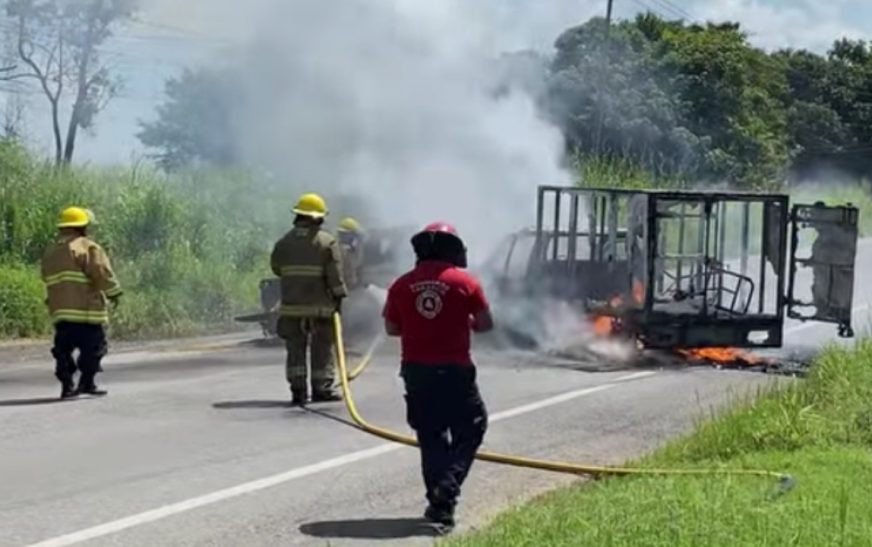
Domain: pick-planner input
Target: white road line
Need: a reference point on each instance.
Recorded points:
(551, 401)
(299, 472)
(635, 376)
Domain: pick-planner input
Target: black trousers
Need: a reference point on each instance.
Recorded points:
(89, 340)
(444, 407)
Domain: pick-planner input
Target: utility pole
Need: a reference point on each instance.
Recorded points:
(603, 60)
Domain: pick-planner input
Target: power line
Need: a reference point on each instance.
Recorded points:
(676, 9)
(650, 9)
(191, 34)
(609, 6)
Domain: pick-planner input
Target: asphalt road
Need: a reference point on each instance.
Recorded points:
(198, 447)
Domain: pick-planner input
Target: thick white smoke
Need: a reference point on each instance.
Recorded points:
(396, 102)
(392, 101)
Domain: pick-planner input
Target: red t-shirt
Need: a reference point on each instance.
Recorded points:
(433, 305)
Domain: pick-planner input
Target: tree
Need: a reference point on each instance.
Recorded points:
(830, 109)
(695, 100)
(734, 96)
(57, 43)
(613, 101)
(194, 123)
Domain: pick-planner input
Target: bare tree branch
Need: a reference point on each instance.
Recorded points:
(26, 57)
(60, 64)
(58, 45)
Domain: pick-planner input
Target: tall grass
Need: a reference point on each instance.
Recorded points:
(188, 249)
(614, 172)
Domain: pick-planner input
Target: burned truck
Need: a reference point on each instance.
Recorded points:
(684, 269)
(383, 252)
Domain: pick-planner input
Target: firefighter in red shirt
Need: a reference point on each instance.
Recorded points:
(432, 309)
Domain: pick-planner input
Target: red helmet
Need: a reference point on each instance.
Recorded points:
(441, 227)
(440, 241)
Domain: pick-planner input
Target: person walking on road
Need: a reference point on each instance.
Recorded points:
(308, 261)
(432, 309)
(79, 280)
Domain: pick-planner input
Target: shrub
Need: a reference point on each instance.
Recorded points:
(22, 303)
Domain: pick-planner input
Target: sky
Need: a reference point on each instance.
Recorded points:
(170, 35)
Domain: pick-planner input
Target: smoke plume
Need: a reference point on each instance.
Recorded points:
(406, 107)
(394, 103)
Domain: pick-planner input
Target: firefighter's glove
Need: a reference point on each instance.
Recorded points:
(115, 301)
(339, 306)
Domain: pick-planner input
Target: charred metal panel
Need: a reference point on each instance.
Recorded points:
(671, 332)
(830, 261)
(581, 246)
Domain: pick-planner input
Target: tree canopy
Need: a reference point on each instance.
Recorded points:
(194, 124)
(694, 100)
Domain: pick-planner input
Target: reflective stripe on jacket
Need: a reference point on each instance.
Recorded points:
(309, 263)
(78, 279)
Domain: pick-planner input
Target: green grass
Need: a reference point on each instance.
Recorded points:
(819, 430)
(189, 249)
(612, 172)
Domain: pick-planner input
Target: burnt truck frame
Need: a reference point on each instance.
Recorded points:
(686, 269)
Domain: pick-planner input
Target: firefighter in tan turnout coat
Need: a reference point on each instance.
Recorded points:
(351, 244)
(79, 281)
(309, 262)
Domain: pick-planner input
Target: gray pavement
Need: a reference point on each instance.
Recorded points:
(197, 447)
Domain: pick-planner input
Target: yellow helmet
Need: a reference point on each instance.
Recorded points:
(311, 205)
(75, 217)
(348, 224)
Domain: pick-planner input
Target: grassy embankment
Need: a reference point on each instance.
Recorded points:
(819, 430)
(189, 249)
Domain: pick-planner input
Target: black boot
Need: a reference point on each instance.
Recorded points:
(68, 391)
(326, 397)
(93, 391)
(299, 398)
(88, 387)
(440, 510)
(441, 516)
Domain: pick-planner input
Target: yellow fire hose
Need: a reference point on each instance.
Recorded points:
(785, 480)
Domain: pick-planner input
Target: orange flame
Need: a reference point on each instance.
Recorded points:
(638, 292)
(722, 355)
(603, 325)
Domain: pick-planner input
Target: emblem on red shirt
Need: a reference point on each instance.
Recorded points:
(429, 299)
